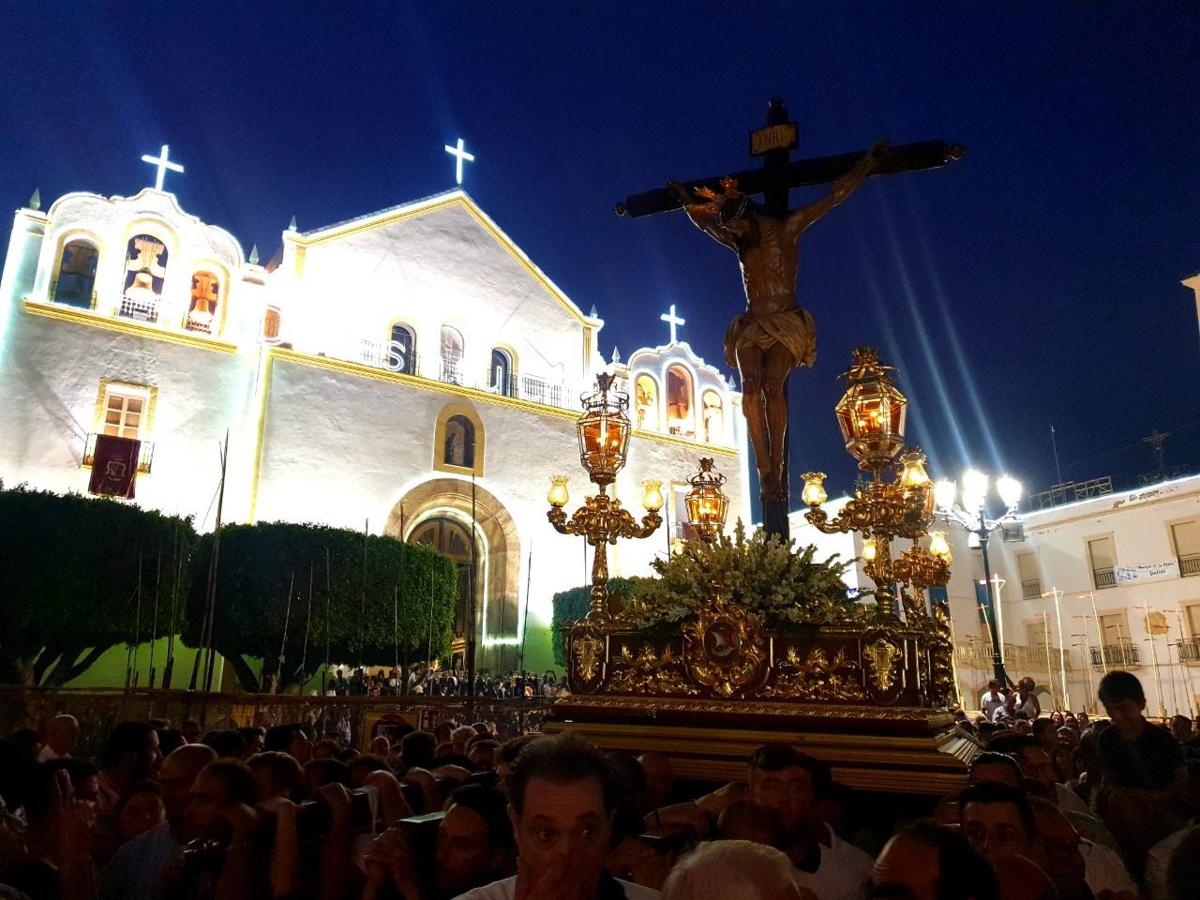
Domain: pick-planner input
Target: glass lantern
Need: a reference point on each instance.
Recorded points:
(871, 413)
(604, 431)
(706, 503)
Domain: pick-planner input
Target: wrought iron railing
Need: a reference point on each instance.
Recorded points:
(1189, 650)
(145, 454)
(1031, 590)
(139, 310)
(1070, 491)
(1115, 656)
(1189, 564)
(394, 357)
(1105, 577)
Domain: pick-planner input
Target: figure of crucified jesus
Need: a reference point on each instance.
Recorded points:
(774, 335)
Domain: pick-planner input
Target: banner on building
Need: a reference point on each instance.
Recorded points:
(114, 466)
(984, 601)
(1147, 572)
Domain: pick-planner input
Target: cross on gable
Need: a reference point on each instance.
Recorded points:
(459, 155)
(162, 164)
(672, 320)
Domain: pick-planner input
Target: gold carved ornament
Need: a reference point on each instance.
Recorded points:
(650, 673)
(881, 659)
(725, 649)
(816, 677)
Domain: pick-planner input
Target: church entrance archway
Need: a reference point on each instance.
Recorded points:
(452, 539)
(441, 512)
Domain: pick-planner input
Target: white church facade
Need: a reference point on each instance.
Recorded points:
(411, 370)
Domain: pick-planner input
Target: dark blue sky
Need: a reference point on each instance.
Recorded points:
(1036, 281)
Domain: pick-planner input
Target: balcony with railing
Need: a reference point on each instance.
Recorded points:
(1189, 564)
(140, 310)
(1104, 577)
(395, 357)
(1031, 590)
(975, 653)
(1189, 651)
(1115, 656)
(145, 454)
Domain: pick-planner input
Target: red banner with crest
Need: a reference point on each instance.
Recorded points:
(114, 466)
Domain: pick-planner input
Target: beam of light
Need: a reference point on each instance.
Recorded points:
(896, 356)
(952, 339)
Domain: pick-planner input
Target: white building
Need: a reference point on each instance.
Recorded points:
(401, 369)
(1123, 566)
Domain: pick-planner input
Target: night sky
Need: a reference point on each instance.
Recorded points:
(1034, 282)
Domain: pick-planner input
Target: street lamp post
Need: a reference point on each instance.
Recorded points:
(972, 515)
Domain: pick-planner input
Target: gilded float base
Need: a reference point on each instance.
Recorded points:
(895, 750)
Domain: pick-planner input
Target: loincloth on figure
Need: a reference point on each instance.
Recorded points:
(792, 328)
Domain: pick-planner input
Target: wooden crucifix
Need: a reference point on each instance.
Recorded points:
(775, 335)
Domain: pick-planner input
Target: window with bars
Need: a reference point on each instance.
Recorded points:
(1103, 559)
(1031, 579)
(1186, 538)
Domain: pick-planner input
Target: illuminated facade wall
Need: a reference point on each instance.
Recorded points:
(324, 426)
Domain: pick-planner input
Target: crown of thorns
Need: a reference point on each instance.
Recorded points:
(729, 191)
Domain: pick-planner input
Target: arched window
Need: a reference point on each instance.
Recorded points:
(500, 376)
(271, 318)
(77, 274)
(452, 354)
(458, 446)
(714, 418)
(202, 310)
(401, 351)
(679, 402)
(145, 269)
(645, 390)
(450, 538)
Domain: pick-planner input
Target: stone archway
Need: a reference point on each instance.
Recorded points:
(497, 591)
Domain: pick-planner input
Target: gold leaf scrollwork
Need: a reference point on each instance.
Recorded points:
(589, 652)
(882, 659)
(649, 673)
(817, 677)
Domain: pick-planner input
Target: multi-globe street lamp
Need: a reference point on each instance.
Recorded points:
(972, 514)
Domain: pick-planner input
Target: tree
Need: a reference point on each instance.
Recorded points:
(573, 604)
(377, 606)
(69, 579)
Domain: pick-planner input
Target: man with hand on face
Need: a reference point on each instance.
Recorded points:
(563, 793)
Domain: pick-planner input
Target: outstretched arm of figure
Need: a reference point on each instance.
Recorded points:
(702, 216)
(801, 218)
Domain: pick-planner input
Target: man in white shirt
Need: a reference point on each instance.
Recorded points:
(563, 792)
(993, 699)
(793, 784)
(62, 733)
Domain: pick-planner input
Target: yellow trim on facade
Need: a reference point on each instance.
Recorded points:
(124, 326)
(400, 215)
(441, 387)
(467, 411)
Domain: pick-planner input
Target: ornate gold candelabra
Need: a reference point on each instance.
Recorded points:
(871, 415)
(603, 444)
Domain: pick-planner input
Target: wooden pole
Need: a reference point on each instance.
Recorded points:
(471, 605)
(525, 618)
(177, 558)
(131, 656)
(325, 671)
(1049, 667)
(362, 602)
(287, 618)
(307, 628)
(214, 569)
(154, 626)
(429, 645)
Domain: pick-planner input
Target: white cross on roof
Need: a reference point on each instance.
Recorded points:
(162, 163)
(671, 319)
(459, 154)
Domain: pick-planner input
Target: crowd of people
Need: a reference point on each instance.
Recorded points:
(423, 680)
(1066, 808)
